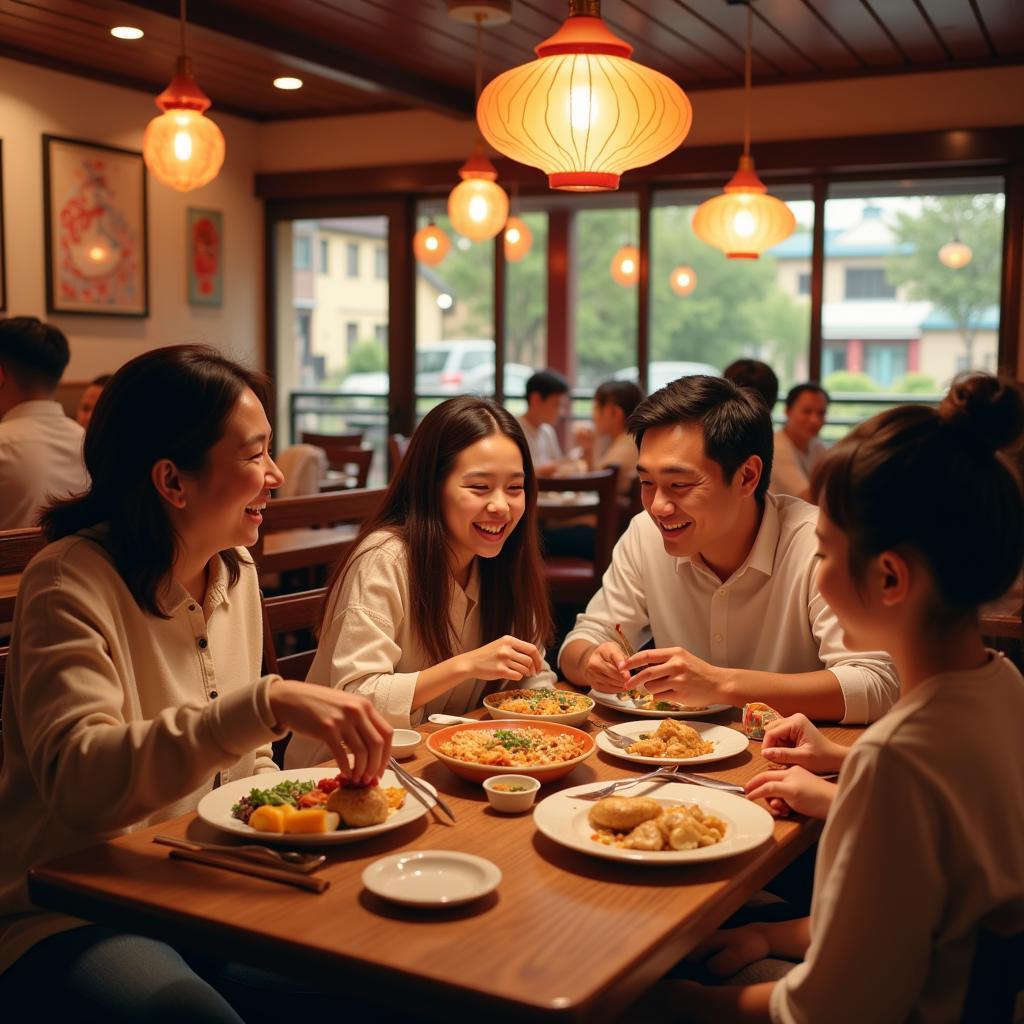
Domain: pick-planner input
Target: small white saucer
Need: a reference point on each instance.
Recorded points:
(431, 878)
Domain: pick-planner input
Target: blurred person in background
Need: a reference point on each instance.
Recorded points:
(752, 373)
(90, 396)
(547, 404)
(40, 447)
(798, 449)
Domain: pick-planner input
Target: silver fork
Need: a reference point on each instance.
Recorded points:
(617, 738)
(666, 771)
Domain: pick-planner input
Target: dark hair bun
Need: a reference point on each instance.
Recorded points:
(990, 408)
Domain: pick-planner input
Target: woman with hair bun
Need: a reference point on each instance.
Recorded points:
(443, 596)
(921, 521)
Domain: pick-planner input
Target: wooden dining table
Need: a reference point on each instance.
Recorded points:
(8, 593)
(565, 936)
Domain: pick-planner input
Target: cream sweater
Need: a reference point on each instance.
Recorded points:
(115, 719)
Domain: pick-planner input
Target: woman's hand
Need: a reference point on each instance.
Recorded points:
(346, 722)
(796, 740)
(505, 658)
(731, 949)
(792, 789)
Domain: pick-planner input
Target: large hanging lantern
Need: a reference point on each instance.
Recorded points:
(584, 112)
(682, 280)
(625, 269)
(430, 245)
(182, 147)
(518, 239)
(745, 220)
(478, 205)
(955, 254)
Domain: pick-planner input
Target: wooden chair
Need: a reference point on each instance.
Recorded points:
(336, 446)
(1005, 633)
(284, 616)
(299, 533)
(398, 445)
(349, 468)
(997, 972)
(576, 580)
(17, 549)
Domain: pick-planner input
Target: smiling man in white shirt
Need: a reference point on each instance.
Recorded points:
(40, 447)
(721, 574)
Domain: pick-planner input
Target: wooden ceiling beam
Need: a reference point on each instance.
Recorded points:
(327, 59)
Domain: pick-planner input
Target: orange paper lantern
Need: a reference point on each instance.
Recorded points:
(182, 147)
(478, 205)
(430, 245)
(626, 266)
(518, 239)
(584, 112)
(682, 280)
(955, 254)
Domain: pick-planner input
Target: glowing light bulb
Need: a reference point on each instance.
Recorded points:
(512, 236)
(478, 209)
(430, 243)
(744, 223)
(183, 146)
(582, 107)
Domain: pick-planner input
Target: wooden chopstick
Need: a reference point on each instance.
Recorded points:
(229, 863)
(626, 646)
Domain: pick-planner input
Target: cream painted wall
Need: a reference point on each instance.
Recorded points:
(34, 101)
(856, 106)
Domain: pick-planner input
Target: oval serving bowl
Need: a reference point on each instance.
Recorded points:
(477, 772)
(576, 718)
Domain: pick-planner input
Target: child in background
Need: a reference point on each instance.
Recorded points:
(921, 522)
(608, 444)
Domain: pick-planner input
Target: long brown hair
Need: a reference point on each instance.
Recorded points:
(171, 403)
(513, 594)
(903, 477)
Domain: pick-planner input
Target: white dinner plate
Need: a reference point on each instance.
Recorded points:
(562, 817)
(609, 700)
(431, 878)
(727, 742)
(215, 809)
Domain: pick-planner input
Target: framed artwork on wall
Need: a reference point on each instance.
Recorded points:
(94, 200)
(3, 255)
(205, 250)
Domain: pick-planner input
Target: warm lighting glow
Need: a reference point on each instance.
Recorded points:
(181, 147)
(584, 112)
(288, 83)
(626, 266)
(478, 205)
(445, 301)
(518, 239)
(126, 32)
(745, 220)
(430, 245)
(955, 254)
(682, 280)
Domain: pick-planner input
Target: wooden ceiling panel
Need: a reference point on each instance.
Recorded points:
(365, 55)
(958, 26)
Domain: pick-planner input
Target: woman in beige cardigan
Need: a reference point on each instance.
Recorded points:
(133, 683)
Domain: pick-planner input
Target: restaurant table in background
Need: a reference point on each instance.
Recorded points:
(566, 936)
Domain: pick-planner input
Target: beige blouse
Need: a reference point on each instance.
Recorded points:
(115, 719)
(368, 644)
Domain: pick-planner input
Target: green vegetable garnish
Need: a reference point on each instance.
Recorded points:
(511, 740)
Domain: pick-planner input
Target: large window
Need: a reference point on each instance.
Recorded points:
(896, 318)
(526, 311)
(722, 309)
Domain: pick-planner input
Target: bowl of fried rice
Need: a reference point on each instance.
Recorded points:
(564, 707)
(542, 750)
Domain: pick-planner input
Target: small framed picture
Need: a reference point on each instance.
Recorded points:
(205, 248)
(94, 200)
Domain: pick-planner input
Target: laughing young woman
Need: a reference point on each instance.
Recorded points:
(133, 685)
(444, 589)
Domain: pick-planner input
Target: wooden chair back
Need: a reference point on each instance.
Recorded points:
(343, 462)
(17, 549)
(298, 533)
(283, 617)
(575, 580)
(997, 972)
(4, 652)
(398, 445)
(338, 447)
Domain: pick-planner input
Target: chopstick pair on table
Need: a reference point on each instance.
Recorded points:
(419, 790)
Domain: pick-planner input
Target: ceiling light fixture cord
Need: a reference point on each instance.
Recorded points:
(479, 65)
(746, 80)
(183, 19)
